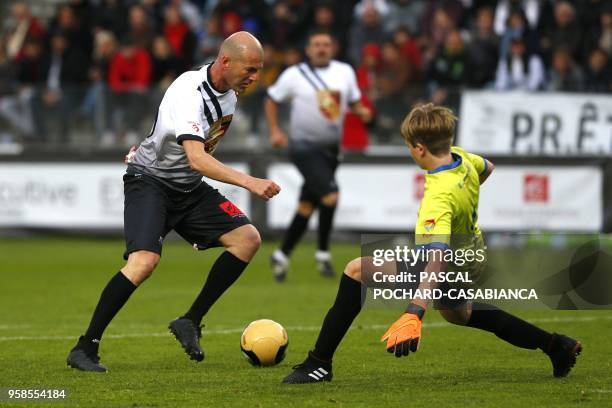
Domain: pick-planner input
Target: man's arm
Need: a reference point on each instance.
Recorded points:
(488, 170)
(278, 138)
(208, 166)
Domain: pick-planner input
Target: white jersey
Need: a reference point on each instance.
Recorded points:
(191, 109)
(319, 98)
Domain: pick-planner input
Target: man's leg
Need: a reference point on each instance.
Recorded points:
(139, 267)
(280, 258)
(327, 209)
(561, 349)
(241, 244)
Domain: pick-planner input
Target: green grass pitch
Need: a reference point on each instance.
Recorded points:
(49, 288)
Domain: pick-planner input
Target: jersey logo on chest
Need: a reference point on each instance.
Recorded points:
(329, 103)
(216, 133)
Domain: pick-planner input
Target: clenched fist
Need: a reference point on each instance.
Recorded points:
(265, 189)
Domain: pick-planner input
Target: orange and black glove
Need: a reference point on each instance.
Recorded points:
(404, 335)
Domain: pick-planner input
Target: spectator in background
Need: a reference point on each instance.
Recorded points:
(435, 36)
(598, 75)
(407, 14)
(69, 21)
(369, 70)
(166, 67)
(23, 28)
(209, 44)
(129, 79)
(18, 99)
(518, 27)
(531, 9)
(564, 75)
(96, 101)
(179, 36)
(111, 15)
(409, 47)
(66, 76)
(519, 70)
(600, 35)
(447, 72)
(392, 83)
(324, 18)
(190, 14)
(365, 30)
(141, 31)
(452, 9)
(482, 52)
(565, 32)
(282, 26)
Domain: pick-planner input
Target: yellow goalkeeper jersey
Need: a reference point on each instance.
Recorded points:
(450, 201)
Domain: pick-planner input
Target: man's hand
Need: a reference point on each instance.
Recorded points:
(404, 335)
(265, 189)
(278, 138)
(130, 155)
(364, 113)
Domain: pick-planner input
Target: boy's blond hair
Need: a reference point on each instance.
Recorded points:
(431, 125)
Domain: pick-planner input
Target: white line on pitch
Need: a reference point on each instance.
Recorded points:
(301, 328)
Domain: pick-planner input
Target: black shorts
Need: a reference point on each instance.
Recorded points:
(318, 164)
(152, 209)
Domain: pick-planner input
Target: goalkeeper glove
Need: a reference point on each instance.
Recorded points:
(404, 335)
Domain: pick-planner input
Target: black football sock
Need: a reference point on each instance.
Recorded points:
(224, 272)
(339, 317)
(294, 233)
(509, 328)
(112, 299)
(326, 220)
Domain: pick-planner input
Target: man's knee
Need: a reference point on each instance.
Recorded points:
(353, 269)
(330, 199)
(140, 266)
(243, 241)
(305, 208)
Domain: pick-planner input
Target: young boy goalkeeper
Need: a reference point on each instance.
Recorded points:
(448, 209)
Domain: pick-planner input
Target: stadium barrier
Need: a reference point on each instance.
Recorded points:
(377, 193)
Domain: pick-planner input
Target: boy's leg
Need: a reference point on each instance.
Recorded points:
(317, 366)
(562, 350)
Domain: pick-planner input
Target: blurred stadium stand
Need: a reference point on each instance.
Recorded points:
(80, 81)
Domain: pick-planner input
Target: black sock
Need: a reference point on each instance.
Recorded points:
(226, 269)
(112, 299)
(339, 317)
(326, 220)
(509, 328)
(294, 233)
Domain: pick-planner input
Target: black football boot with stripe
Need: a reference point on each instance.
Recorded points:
(312, 370)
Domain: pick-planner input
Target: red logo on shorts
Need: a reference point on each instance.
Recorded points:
(230, 209)
(535, 188)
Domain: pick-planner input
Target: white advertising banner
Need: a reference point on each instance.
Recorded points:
(516, 198)
(508, 123)
(75, 195)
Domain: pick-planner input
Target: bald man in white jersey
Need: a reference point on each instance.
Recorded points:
(164, 191)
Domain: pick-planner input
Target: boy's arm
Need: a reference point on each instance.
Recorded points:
(488, 170)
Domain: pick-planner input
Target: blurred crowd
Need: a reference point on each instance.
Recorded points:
(103, 65)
